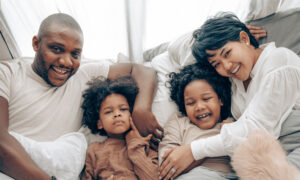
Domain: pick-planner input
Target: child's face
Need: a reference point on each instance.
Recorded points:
(235, 59)
(114, 115)
(202, 104)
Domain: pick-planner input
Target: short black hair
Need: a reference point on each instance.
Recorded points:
(99, 89)
(216, 32)
(200, 71)
(60, 19)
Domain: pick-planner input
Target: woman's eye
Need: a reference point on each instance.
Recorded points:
(227, 53)
(206, 99)
(216, 65)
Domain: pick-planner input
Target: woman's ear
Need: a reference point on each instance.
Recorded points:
(99, 124)
(221, 103)
(35, 43)
(244, 38)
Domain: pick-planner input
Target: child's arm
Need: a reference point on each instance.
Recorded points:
(88, 173)
(144, 160)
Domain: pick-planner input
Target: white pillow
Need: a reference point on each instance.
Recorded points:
(256, 9)
(288, 4)
(63, 158)
(180, 52)
(162, 106)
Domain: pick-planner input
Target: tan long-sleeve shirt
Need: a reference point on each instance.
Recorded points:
(180, 131)
(131, 159)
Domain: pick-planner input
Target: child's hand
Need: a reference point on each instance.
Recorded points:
(134, 133)
(111, 177)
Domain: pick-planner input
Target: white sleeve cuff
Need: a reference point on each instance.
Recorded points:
(208, 147)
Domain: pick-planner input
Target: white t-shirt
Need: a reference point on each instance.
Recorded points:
(39, 111)
(271, 95)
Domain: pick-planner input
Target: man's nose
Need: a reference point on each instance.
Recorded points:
(66, 61)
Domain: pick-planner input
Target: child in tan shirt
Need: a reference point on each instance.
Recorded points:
(125, 154)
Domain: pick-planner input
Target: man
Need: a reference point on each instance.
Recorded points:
(42, 100)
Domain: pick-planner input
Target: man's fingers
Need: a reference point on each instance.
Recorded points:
(252, 27)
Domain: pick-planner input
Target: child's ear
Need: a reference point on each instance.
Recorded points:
(244, 38)
(99, 124)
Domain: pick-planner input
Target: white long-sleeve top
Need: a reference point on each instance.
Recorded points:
(271, 95)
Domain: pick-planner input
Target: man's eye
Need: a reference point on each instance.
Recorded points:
(76, 55)
(56, 49)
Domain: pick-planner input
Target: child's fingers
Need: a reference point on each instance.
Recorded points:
(148, 137)
(132, 124)
(111, 177)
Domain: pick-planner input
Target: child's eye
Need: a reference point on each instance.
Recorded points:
(124, 109)
(189, 103)
(107, 112)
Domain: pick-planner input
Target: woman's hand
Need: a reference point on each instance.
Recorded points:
(257, 32)
(175, 161)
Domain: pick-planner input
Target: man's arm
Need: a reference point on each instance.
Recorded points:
(14, 161)
(146, 80)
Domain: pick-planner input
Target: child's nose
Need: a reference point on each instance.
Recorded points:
(200, 106)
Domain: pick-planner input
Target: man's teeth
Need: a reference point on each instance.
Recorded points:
(60, 70)
(236, 69)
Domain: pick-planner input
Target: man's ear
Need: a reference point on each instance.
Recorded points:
(244, 38)
(99, 124)
(35, 43)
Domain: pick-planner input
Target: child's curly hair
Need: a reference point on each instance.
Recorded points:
(202, 71)
(99, 89)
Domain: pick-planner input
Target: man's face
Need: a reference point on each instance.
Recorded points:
(58, 54)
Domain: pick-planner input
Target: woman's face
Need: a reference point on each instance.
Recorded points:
(235, 59)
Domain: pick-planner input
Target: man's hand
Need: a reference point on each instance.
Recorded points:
(176, 161)
(146, 123)
(257, 32)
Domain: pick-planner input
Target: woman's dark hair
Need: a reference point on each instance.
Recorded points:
(216, 32)
(99, 89)
(200, 71)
